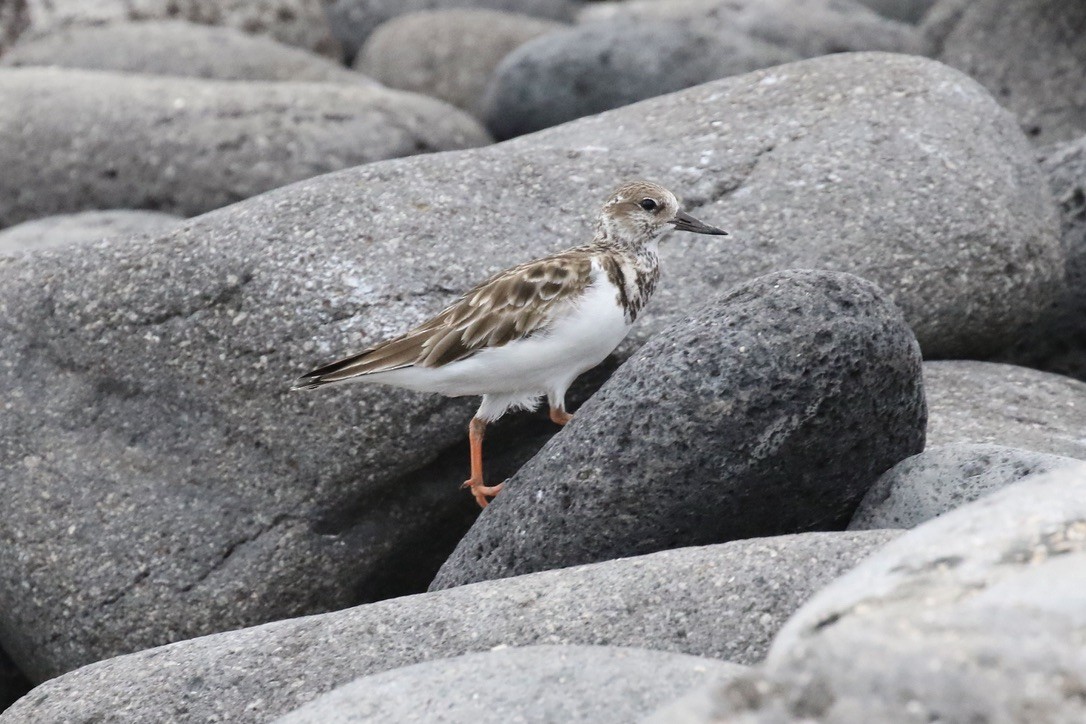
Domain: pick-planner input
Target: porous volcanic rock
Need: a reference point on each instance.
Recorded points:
(84, 226)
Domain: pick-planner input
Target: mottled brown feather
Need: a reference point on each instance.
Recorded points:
(512, 305)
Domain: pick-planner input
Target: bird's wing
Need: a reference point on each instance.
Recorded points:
(509, 306)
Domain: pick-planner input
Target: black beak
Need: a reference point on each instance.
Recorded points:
(685, 222)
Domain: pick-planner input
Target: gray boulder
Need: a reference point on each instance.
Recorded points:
(294, 22)
(723, 602)
(187, 146)
(974, 616)
(946, 477)
(601, 684)
(447, 54)
(14, 20)
(1031, 54)
(86, 226)
(769, 410)
(907, 11)
(174, 47)
(354, 20)
(808, 28)
(591, 68)
(145, 384)
(1057, 341)
(1006, 405)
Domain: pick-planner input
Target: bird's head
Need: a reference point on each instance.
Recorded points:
(641, 210)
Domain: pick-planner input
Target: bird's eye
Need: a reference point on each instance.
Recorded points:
(648, 204)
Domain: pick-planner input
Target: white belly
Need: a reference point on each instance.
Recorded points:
(579, 339)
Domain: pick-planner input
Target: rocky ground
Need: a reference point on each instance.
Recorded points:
(835, 474)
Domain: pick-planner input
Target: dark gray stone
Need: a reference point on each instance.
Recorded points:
(908, 11)
(1031, 54)
(14, 20)
(86, 226)
(144, 385)
(447, 54)
(599, 684)
(13, 684)
(174, 47)
(808, 28)
(946, 477)
(1057, 341)
(976, 616)
(1006, 405)
(294, 22)
(354, 20)
(187, 146)
(724, 602)
(769, 410)
(591, 68)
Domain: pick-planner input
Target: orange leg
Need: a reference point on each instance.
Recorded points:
(560, 416)
(478, 488)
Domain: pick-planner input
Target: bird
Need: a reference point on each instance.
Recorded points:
(531, 330)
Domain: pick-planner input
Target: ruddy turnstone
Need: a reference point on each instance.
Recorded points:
(531, 330)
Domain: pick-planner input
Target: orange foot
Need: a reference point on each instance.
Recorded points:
(560, 417)
(482, 492)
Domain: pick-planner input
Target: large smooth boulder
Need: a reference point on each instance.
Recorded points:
(808, 28)
(294, 22)
(724, 602)
(1057, 341)
(145, 384)
(354, 20)
(591, 68)
(187, 146)
(975, 616)
(174, 47)
(769, 410)
(1031, 54)
(600, 684)
(83, 227)
(987, 402)
(946, 477)
(447, 54)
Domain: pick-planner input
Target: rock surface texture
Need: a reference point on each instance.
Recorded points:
(909, 11)
(354, 20)
(447, 54)
(974, 616)
(1030, 54)
(187, 146)
(946, 477)
(294, 22)
(808, 28)
(723, 602)
(159, 370)
(1006, 405)
(770, 409)
(174, 47)
(591, 68)
(1057, 341)
(86, 226)
(599, 684)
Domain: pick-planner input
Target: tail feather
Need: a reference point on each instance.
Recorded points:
(392, 355)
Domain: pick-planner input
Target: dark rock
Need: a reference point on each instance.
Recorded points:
(724, 602)
(14, 20)
(1030, 54)
(907, 11)
(974, 616)
(600, 684)
(87, 226)
(145, 385)
(173, 47)
(1006, 405)
(186, 146)
(447, 54)
(769, 410)
(294, 22)
(354, 20)
(13, 684)
(946, 477)
(1057, 341)
(591, 68)
(808, 28)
